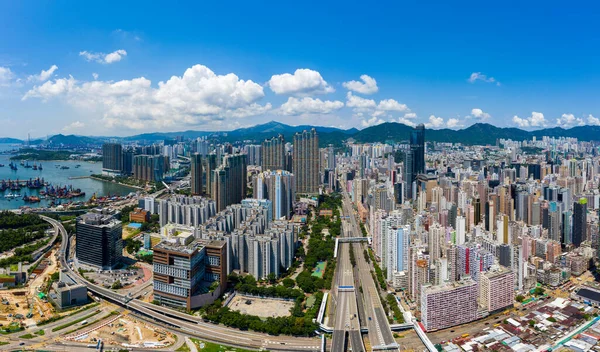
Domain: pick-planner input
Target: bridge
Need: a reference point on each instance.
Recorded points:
(339, 240)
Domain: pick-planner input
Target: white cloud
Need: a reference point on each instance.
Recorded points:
(354, 101)
(478, 76)
(372, 122)
(103, 58)
(434, 122)
(391, 105)
(303, 82)
(569, 120)
(593, 120)
(405, 121)
(95, 75)
(453, 123)
(520, 122)
(6, 75)
(368, 87)
(410, 115)
(478, 113)
(44, 75)
(77, 125)
(306, 105)
(535, 120)
(197, 97)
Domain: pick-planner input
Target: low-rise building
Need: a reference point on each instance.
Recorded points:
(67, 293)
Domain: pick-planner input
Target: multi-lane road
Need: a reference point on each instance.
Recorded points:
(185, 323)
(380, 334)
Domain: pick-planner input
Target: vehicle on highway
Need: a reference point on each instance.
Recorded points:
(369, 318)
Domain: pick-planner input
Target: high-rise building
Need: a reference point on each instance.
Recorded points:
(409, 173)
(210, 164)
(306, 161)
(497, 289)
(417, 144)
(229, 186)
(128, 155)
(254, 154)
(196, 174)
(273, 154)
(149, 168)
(184, 268)
(279, 187)
(99, 240)
(112, 159)
(579, 221)
(448, 305)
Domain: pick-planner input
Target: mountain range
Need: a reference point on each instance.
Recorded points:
(479, 133)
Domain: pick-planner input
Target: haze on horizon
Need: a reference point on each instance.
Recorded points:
(84, 69)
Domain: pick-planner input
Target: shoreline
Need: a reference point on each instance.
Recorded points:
(118, 183)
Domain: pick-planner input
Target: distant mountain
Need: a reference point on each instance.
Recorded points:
(7, 140)
(479, 133)
(72, 140)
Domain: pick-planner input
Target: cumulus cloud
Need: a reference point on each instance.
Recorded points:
(593, 120)
(453, 123)
(197, 97)
(434, 122)
(520, 122)
(410, 115)
(391, 105)
(6, 76)
(569, 120)
(407, 122)
(367, 86)
(306, 105)
(354, 101)
(44, 75)
(103, 58)
(303, 82)
(535, 120)
(77, 125)
(372, 122)
(95, 75)
(478, 113)
(478, 76)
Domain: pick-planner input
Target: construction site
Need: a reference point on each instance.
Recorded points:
(124, 331)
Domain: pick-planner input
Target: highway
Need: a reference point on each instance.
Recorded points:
(188, 324)
(380, 334)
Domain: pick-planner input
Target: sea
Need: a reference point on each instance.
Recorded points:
(53, 174)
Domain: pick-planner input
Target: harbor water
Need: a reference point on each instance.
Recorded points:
(58, 174)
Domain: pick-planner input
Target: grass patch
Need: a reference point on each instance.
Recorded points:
(215, 347)
(2, 343)
(76, 321)
(27, 336)
(40, 333)
(11, 328)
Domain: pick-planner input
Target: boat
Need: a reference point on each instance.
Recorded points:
(8, 195)
(1, 165)
(40, 167)
(64, 167)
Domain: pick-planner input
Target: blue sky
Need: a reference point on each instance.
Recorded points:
(227, 65)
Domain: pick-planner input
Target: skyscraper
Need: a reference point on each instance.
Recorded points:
(210, 164)
(149, 168)
(279, 187)
(306, 161)
(417, 144)
(273, 154)
(112, 159)
(579, 221)
(229, 184)
(196, 174)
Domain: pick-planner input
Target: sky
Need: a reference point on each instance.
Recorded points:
(128, 67)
